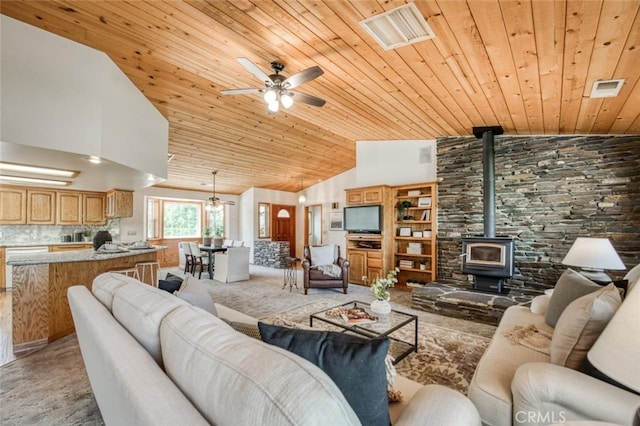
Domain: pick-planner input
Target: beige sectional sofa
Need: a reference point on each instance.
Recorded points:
(154, 359)
(515, 383)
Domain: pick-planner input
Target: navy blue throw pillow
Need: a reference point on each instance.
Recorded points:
(171, 283)
(354, 363)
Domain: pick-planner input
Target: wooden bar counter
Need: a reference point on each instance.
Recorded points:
(40, 308)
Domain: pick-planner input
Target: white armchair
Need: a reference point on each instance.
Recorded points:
(232, 265)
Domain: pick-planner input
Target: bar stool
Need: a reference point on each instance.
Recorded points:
(150, 270)
(130, 272)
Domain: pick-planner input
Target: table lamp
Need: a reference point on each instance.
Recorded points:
(593, 256)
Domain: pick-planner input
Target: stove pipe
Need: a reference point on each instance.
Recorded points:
(488, 177)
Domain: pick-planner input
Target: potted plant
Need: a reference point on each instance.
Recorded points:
(402, 207)
(380, 288)
(206, 239)
(423, 264)
(87, 235)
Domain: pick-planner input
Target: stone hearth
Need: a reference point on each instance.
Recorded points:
(464, 303)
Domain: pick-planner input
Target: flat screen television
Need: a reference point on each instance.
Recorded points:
(363, 219)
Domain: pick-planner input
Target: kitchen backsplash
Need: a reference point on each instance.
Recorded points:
(44, 234)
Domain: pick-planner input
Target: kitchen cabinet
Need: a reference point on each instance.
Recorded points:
(41, 207)
(366, 195)
(93, 209)
(13, 206)
(119, 203)
(69, 208)
(3, 266)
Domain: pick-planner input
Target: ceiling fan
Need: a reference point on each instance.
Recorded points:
(214, 202)
(277, 88)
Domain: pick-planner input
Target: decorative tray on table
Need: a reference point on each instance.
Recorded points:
(353, 315)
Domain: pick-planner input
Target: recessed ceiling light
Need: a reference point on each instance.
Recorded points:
(606, 88)
(34, 180)
(25, 168)
(94, 159)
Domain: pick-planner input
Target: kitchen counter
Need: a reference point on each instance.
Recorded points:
(76, 256)
(40, 308)
(43, 244)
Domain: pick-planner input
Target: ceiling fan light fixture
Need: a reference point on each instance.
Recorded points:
(286, 100)
(273, 106)
(270, 96)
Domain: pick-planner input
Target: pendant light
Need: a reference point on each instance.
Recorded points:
(302, 199)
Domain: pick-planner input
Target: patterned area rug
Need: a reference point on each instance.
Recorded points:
(446, 357)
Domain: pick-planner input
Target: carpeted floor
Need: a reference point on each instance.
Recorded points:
(51, 387)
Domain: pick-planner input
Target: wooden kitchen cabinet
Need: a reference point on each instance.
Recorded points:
(41, 207)
(3, 270)
(119, 203)
(93, 209)
(69, 208)
(13, 206)
(69, 247)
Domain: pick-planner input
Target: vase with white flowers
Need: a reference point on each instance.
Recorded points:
(380, 288)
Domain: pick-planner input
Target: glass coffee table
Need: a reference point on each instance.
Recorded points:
(397, 326)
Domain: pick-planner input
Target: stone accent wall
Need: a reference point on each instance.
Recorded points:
(549, 190)
(270, 253)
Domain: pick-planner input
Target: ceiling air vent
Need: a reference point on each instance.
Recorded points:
(606, 88)
(398, 27)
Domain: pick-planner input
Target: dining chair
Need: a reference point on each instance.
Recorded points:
(200, 259)
(188, 265)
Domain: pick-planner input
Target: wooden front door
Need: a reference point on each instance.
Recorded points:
(283, 219)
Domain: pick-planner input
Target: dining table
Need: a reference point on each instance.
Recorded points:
(211, 250)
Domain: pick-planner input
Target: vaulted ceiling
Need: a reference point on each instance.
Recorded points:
(526, 65)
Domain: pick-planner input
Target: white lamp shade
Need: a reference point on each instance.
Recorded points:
(616, 351)
(593, 253)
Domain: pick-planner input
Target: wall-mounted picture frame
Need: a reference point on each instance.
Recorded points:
(404, 231)
(335, 221)
(424, 202)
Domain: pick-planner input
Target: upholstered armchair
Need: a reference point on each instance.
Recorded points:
(322, 267)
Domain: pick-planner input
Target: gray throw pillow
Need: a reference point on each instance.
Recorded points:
(194, 292)
(570, 286)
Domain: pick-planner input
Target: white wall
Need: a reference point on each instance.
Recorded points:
(395, 162)
(60, 95)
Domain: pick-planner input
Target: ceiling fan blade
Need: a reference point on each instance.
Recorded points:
(302, 77)
(241, 91)
(231, 203)
(307, 99)
(253, 69)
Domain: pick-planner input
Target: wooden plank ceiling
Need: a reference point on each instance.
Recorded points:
(526, 65)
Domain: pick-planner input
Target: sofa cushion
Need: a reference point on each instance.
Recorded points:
(223, 373)
(194, 292)
(490, 387)
(570, 286)
(354, 363)
(633, 277)
(580, 325)
(140, 309)
(106, 285)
